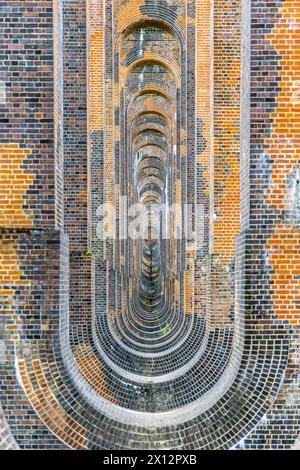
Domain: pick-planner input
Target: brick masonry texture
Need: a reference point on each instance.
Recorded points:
(153, 343)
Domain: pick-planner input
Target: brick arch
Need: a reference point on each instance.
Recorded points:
(101, 365)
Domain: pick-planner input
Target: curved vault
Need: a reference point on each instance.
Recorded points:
(170, 352)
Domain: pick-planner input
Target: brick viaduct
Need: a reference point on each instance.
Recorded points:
(167, 340)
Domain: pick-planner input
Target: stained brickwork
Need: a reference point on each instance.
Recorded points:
(157, 342)
(274, 162)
